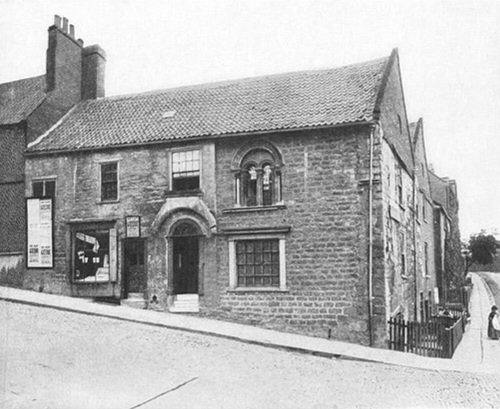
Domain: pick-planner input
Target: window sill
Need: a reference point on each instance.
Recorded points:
(181, 193)
(108, 201)
(258, 290)
(76, 282)
(244, 209)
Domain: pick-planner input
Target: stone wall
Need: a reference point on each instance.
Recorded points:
(324, 197)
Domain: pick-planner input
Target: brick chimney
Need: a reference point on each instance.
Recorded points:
(73, 72)
(93, 64)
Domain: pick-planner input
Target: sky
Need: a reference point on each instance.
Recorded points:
(448, 50)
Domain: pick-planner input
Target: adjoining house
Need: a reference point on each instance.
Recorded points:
(28, 107)
(448, 259)
(286, 201)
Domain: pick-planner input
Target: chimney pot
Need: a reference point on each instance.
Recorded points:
(72, 31)
(57, 21)
(65, 25)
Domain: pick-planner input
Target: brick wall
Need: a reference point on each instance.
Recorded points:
(11, 189)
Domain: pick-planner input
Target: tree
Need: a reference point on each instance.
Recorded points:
(481, 250)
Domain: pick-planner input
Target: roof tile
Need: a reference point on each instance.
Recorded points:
(18, 99)
(286, 101)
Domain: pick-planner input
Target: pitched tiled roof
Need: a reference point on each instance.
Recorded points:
(438, 189)
(286, 101)
(18, 99)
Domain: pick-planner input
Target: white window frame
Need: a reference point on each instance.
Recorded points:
(171, 165)
(233, 273)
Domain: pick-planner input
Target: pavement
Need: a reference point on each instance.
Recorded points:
(475, 353)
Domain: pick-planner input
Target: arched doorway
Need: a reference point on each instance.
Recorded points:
(185, 257)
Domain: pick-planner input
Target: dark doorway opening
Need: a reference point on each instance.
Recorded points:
(186, 265)
(135, 278)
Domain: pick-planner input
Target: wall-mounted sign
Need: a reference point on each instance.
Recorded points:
(133, 226)
(40, 248)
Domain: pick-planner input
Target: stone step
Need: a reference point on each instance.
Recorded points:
(186, 303)
(180, 297)
(134, 303)
(175, 308)
(135, 296)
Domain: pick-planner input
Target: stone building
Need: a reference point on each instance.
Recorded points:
(299, 201)
(448, 258)
(28, 107)
(428, 286)
(284, 201)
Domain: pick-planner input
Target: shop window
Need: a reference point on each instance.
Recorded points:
(44, 188)
(186, 170)
(94, 255)
(258, 181)
(109, 181)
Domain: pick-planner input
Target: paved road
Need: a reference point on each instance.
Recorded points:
(55, 359)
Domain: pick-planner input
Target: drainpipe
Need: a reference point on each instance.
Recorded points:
(370, 239)
(415, 271)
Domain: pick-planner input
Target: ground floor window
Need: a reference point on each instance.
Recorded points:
(94, 254)
(257, 262)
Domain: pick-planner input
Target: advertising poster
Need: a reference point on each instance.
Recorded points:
(39, 233)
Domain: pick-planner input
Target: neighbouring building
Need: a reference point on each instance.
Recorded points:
(28, 108)
(429, 287)
(448, 258)
(288, 201)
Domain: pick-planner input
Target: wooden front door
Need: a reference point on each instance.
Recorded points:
(186, 265)
(135, 271)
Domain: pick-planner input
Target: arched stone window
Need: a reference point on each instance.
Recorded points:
(258, 177)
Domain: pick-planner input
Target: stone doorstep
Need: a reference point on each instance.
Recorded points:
(186, 303)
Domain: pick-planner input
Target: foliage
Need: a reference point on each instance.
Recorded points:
(481, 249)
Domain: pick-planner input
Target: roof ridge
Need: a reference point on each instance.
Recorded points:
(217, 84)
(23, 79)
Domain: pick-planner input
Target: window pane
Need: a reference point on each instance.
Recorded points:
(186, 170)
(257, 263)
(37, 189)
(50, 188)
(109, 181)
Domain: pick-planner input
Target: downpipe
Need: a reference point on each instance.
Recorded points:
(370, 239)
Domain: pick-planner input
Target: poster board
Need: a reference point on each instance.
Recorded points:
(39, 233)
(133, 226)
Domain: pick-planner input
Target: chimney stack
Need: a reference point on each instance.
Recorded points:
(65, 25)
(93, 66)
(73, 72)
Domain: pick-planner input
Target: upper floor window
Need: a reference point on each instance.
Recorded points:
(402, 252)
(426, 259)
(109, 181)
(186, 170)
(44, 188)
(399, 185)
(258, 180)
